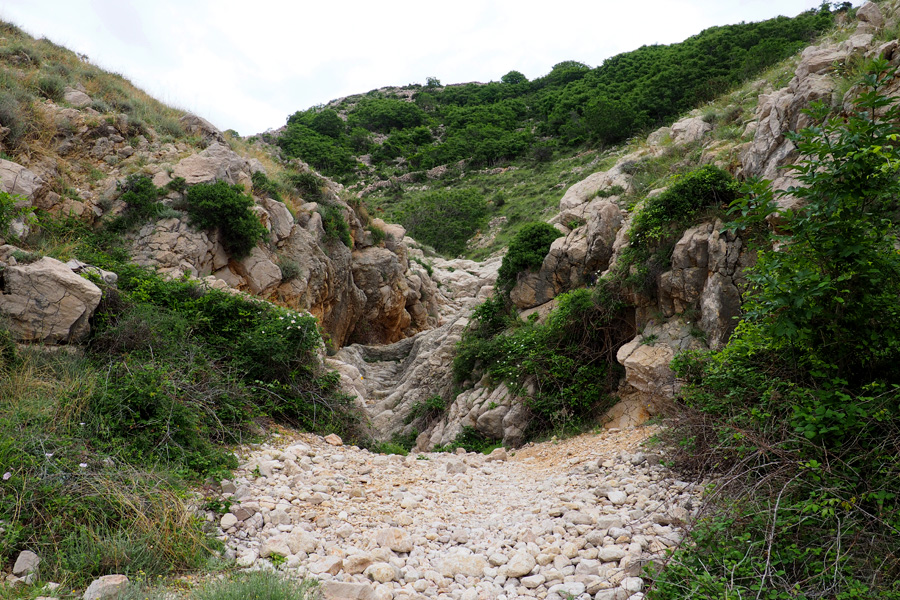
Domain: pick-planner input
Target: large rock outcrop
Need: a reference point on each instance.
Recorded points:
(576, 259)
(45, 302)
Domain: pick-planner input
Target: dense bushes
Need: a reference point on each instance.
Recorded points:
(142, 203)
(444, 220)
(565, 369)
(226, 208)
(573, 105)
(335, 224)
(189, 369)
(384, 115)
(659, 221)
(661, 215)
(321, 151)
(800, 413)
(527, 251)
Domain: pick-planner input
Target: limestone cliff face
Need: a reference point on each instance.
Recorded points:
(363, 293)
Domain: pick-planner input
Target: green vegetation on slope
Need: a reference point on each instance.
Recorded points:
(800, 413)
(35, 70)
(572, 105)
(98, 446)
(564, 369)
(526, 252)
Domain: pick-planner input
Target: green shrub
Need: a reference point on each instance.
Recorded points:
(264, 186)
(308, 184)
(328, 122)
(444, 220)
(568, 362)
(335, 225)
(21, 54)
(188, 369)
(51, 86)
(428, 409)
(259, 585)
(322, 152)
(799, 415)
(428, 268)
(226, 208)
(15, 114)
(383, 115)
(9, 211)
(142, 204)
(60, 499)
(378, 234)
(471, 440)
(667, 213)
(526, 251)
(290, 270)
(399, 444)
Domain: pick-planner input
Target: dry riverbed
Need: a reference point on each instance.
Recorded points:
(576, 518)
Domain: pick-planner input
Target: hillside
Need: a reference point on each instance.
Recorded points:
(398, 145)
(208, 338)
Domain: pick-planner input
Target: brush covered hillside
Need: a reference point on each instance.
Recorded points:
(179, 304)
(405, 146)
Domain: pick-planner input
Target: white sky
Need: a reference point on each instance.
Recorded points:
(248, 65)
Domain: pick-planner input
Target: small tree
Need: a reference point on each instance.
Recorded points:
(526, 251)
(226, 208)
(513, 78)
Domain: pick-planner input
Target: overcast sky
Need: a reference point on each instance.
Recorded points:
(248, 65)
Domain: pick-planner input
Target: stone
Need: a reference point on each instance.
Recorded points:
(216, 163)
(357, 563)
(455, 467)
(337, 590)
(76, 98)
(871, 14)
(241, 513)
(574, 517)
(18, 180)
(497, 454)
(572, 589)
(228, 521)
(26, 563)
(394, 539)
(689, 130)
(533, 581)
(277, 544)
(610, 553)
(334, 439)
(632, 584)
(259, 271)
(301, 541)
(108, 586)
(382, 572)
(378, 272)
(199, 126)
(470, 565)
(45, 302)
(330, 564)
(520, 565)
(617, 497)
